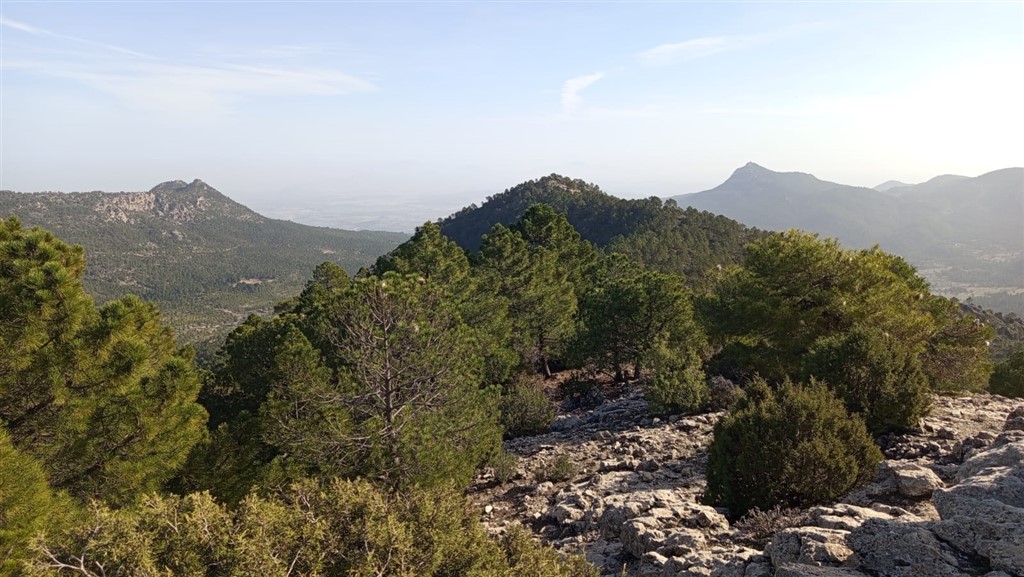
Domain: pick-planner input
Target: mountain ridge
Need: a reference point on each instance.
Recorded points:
(205, 259)
(962, 233)
(656, 233)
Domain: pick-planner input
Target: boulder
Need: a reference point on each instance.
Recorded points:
(1006, 451)
(810, 545)
(800, 570)
(984, 515)
(913, 480)
(848, 517)
(684, 542)
(896, 549)
(641, 535)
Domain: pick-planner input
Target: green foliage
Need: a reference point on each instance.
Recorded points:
(631, 316)
(336, 528)
(441, 262)
(42, 310)
(874, 376)
(561, 468)
(541, 298)
(794, 289)
(229, 463)
(677, 382)
(139, 419)
(505, 466)
(956, 356)
(430, 254)
(657, 234)
(794, 446)
(404, 405)
(547, 230)
(527, 558)
(27, 504)
(804, 306)
(1008, 378)
(103, 398)
(525, 410)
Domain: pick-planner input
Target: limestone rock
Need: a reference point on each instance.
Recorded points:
(848, 517)
(641, 535)
(800, 570)
(912, 479)
(899, 549)
(809, 545)
(638, 510)
(984, 514)
(1005, 451)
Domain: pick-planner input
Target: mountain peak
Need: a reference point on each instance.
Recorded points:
(180, 186)
(751, 172)
(889, 185)
(750, 169)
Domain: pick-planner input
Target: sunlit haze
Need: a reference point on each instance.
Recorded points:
(283, 105)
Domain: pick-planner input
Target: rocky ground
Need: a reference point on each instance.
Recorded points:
(625, 489)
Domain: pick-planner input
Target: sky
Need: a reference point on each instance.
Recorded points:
(337, 112)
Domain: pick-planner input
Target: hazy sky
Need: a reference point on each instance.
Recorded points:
(280, 102)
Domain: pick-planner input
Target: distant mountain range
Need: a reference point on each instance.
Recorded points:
(966, 235)
(206, 260)
(209, 261)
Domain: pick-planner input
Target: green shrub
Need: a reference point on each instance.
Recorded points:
(337, 527)
(527, 558)
(795, 446)
(676, 385)
(562, 468)
(1008, 378)
(874, 376)
(578, 385)
(525, 410)
(505, 466)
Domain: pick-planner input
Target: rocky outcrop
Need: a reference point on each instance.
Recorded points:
(980, 524)
(984, 514)
(175, 201)
(948, 501)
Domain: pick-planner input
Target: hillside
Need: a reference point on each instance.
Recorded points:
(963, 234)
(206, 260)
(658, 234)
(632, 501)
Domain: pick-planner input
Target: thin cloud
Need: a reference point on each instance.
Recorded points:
(571, 90)
(198, 89)
(151, 83)
(8, 23)
(706, 46)
(28, 28)
(694, 49)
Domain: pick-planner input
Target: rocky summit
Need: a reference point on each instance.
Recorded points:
(625, 489)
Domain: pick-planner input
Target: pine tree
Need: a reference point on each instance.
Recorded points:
(406, 405)
(441, 262)
(542, 301)
(103, 398)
